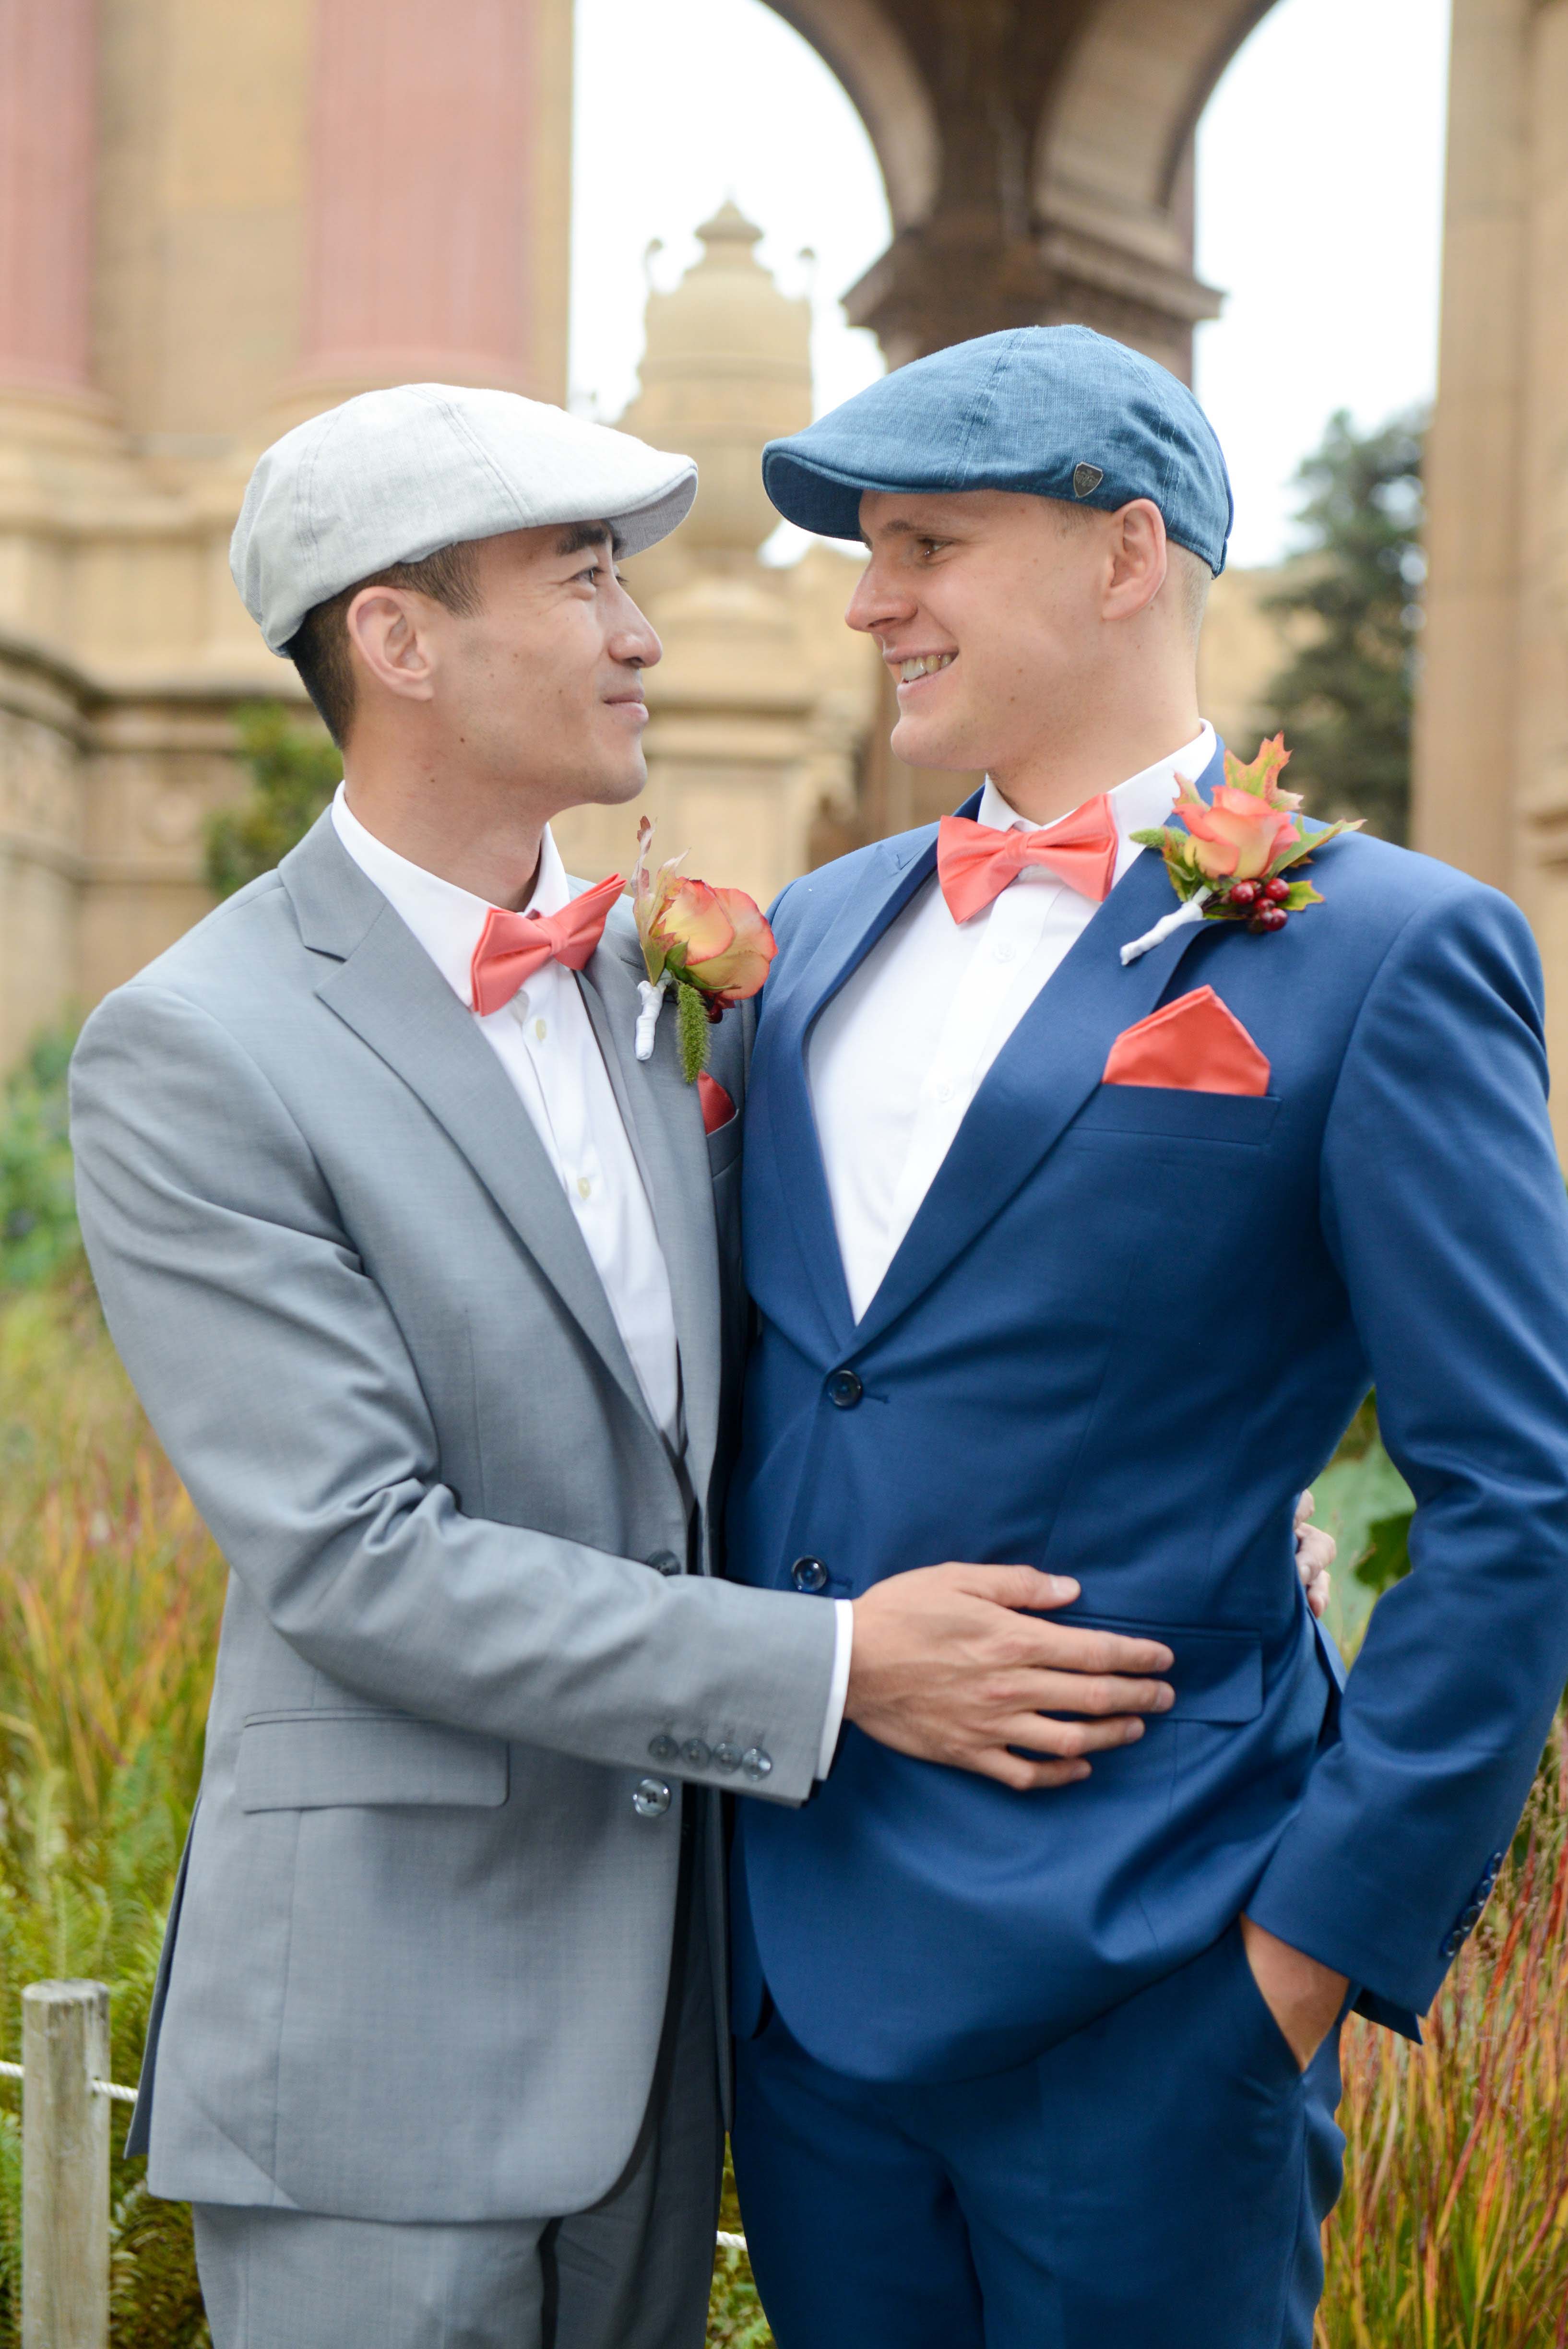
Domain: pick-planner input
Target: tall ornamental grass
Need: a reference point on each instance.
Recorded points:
(1453, 2229)
(1452, 2232)
(110, 1598)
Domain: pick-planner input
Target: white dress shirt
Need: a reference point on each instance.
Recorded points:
(900, 1053)
(544, 1041)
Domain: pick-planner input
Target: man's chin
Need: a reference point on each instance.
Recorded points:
(919, 742)
(613, 787)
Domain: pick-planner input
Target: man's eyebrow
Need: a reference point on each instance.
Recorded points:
(581, 535)
(902, 528)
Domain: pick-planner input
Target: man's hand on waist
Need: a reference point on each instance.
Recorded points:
(947, 1666)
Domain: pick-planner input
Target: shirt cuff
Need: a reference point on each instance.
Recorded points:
(844, 1641)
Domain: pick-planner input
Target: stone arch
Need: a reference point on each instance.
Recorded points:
(862, 45)
(1120, 116)
(1035, 158)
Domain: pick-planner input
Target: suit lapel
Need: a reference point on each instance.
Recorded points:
(664, 1122)
(1039, 1081)
(903, 867)
(383, 985)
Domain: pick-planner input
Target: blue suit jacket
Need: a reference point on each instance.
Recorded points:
(1124, 1330)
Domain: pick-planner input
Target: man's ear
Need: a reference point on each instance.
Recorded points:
(389, 635)
(1140, 558)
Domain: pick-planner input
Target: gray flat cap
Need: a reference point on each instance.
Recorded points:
(393, 475)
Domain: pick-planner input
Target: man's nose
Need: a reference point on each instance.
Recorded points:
(877, 602)
(635, 642)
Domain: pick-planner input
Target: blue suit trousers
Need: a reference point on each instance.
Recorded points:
(1161, 2175)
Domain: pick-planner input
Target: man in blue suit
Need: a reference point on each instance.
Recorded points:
(1043, 1278)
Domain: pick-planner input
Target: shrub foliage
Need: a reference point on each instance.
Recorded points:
(38, 1234)
(294, 772)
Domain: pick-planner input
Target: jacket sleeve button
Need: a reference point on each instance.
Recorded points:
(695, 1754)
(726, 1756)
(755, 1762)
(663, 1748)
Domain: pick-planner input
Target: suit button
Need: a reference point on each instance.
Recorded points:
(651, 1798)
(1448, 1946)
(843, 1390)
(726, 1756)
(1469, 1917)
(664, 1562)
(755, 1762)
(664, 1748)
(695, 1754)
(808, 1573)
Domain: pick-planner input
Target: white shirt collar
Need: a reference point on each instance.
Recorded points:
(447, 921)
(1144, 801)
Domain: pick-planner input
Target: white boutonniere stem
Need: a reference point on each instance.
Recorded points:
(652, 994)
(1184, 915)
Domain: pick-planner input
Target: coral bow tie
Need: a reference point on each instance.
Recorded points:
(976, 863)
(512, 946)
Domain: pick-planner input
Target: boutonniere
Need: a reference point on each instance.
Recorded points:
(1230, 861)
(711, 946)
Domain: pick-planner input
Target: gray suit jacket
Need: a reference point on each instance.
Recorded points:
(418, 1967)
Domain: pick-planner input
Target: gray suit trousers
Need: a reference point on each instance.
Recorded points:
(631, 2273)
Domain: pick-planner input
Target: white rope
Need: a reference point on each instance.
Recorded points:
(111, 2088)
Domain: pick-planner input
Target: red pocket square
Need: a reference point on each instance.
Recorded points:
(718, 1109)
(1196, 1045)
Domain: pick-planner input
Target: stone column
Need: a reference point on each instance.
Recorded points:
(1540, 737)
(1465, 760)
(48, 52)
(439, 165)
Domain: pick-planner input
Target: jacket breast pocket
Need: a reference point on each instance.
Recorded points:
(1217, 1676)
(327, 1760)
(1172, 1113)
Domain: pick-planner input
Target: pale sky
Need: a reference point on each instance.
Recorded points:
(1319, 209)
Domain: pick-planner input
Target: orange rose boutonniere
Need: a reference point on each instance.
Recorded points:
(1230, 862)
(712, 945)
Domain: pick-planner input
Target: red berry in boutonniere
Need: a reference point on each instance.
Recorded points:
(1229, 861)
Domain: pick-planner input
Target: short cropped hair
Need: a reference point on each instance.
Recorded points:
(1188, 577)
(319, 645)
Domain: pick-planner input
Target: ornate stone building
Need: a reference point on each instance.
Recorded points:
(1491, 770)
(218, 215)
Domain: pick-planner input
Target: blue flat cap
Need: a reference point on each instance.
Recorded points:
(1054, 412)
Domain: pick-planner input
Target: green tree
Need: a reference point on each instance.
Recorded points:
(294, 773)
(1345, 701)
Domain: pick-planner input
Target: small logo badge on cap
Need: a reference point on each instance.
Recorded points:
(1086, 478)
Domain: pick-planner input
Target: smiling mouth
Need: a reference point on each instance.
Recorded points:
(923, 665)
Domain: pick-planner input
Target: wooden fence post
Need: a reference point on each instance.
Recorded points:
(65, 2167)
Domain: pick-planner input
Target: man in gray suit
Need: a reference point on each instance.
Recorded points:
(432, 1292)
